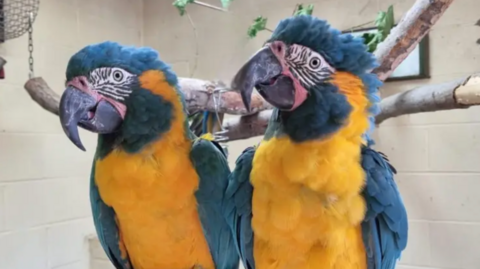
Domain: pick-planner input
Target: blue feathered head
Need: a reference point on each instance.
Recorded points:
(106, 93)
(296, 72)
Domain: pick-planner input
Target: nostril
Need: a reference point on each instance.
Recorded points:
(279, 47)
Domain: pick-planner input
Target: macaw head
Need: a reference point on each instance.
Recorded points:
(308, 67)
(124, 92)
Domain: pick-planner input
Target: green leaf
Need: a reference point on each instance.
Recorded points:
(181, 4)
(259, 24)
(226, 3)
(385, 22)
(370, 40)
(368, 37)
(303, 10)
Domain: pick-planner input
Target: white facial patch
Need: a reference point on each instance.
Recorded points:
(308, 66)
(112, 82)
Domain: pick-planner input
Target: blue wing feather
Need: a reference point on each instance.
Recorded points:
(212, 167)
(208, 120)
(385, 228)
(238, 207)
(106, 226)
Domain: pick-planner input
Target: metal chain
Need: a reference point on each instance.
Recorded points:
(30, 45)
(219, 136)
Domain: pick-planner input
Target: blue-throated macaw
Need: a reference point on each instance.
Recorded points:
(156, 190)
(314, 194)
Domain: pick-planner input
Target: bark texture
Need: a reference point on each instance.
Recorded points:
(42, 94)
(413, 26)
(460, 93)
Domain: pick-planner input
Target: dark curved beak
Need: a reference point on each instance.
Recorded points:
(263, 71)
(78, 108)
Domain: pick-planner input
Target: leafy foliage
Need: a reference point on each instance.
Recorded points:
(181, 4)
(384, 23)
(226, 3)
(259, 24)
(308, 10)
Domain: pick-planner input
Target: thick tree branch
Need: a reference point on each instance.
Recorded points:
(403, 38)
(247, 126)
(460, 93)
(199, 95)
(42, 94)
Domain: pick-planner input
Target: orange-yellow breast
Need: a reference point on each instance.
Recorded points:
(152, 193)
(307, 206)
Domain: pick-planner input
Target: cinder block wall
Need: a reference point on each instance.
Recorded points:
(44, 209)
(44, 203)
(436, 153)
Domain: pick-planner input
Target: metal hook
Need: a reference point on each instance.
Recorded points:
(220, 135)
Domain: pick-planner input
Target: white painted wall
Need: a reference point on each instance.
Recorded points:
(44, 203)
(44, 208)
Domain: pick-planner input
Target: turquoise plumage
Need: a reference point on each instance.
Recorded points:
(131, 99)
(299, 71)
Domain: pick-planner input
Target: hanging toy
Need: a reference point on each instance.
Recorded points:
(16, 17)
(37, 87)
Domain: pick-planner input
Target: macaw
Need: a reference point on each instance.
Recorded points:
(156, 190)
(314, 194)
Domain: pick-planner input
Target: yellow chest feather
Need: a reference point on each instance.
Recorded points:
(152, 194)
(307, 206)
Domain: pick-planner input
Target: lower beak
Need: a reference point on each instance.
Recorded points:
(264, 72)
(78, 108)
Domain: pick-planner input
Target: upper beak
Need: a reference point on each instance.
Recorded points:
(78, 108)
(262, 67)
(264, 72)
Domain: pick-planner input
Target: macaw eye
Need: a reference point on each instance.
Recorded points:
(314, 62)
(115, 83)
(117, 75)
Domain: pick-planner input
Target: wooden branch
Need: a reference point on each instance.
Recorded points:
(42, 94)
(403, 38)
(247, 126)
(460, 93)
(199, 95)
(457, 94)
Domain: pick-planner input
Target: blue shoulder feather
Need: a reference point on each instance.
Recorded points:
(106, 226)
(238, 207)
(212, 167)
(385, 228)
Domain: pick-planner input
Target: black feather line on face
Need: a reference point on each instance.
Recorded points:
(114, 83)
(298, 60)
